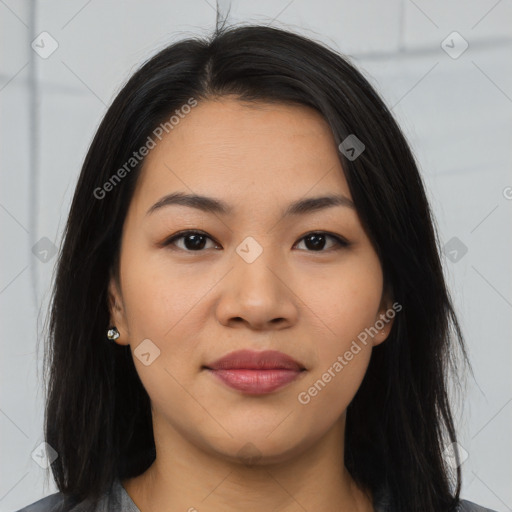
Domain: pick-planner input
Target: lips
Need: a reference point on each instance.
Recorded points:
(251, 360)
(256, 372)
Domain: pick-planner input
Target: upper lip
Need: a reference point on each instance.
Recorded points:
(252, 360)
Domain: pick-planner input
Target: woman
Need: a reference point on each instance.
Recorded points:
(249, 309)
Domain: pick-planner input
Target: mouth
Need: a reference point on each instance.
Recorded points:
(256, 373)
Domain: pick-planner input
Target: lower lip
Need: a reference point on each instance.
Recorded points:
(256, 382)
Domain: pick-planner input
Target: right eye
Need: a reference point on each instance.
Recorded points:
(193, 241)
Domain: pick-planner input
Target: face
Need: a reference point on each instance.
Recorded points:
(306, 283)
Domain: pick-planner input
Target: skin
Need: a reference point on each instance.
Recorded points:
(197, 306)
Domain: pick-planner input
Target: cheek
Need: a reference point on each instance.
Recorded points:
(160, 298)
(345, 301)
(346, 306)
(342, 353)
(162, 305)
(165, 304)
(331, 388)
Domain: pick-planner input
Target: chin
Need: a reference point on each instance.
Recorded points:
(260, 449)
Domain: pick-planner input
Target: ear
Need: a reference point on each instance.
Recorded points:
(385, 317)
(117, 311)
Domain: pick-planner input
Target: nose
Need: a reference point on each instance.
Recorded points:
(257, 295)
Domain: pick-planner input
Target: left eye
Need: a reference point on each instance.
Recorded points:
(195, 241)
(317, 241)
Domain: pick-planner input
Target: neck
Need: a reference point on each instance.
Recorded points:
(186, 477)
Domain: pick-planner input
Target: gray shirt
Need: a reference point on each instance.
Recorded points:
(118, 500)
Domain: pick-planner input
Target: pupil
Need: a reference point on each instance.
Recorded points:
(197, 241)
(318, 241)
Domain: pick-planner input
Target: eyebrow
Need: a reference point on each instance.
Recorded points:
(217, 206)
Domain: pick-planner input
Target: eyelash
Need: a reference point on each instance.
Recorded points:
(340, 242)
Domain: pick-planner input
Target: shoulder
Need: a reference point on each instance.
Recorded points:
(115, 500)
(59, 502)
(469, 506)
(53, 503)
(383, 503)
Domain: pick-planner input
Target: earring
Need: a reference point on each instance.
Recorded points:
(113, 333)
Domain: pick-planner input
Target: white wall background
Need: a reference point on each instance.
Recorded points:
(456, 112)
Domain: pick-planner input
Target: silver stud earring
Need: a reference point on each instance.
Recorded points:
(113, 333)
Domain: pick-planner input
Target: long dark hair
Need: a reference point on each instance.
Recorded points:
(98, 413)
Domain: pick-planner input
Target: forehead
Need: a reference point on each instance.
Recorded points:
(232, 149)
